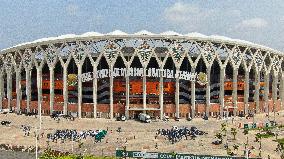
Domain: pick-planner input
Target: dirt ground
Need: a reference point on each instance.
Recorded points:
(139, 136)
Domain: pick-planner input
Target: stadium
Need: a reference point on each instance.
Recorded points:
(96, 75)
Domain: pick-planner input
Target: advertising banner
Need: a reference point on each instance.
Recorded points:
(159, 155)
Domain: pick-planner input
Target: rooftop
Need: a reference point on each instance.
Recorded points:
(119, 33)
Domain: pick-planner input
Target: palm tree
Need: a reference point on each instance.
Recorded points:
(223, 127)
(234, 132)
(236, 147)
(219, 136)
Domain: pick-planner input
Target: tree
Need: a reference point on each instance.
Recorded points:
(219, 136)
(245, 131)
(229, 152)
(236, 147)
(223, 127)
(234, 132)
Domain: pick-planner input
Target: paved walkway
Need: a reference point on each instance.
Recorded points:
(15, 155)
(136, 135)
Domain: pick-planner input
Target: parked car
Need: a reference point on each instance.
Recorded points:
(7, 123)
(189, 118)
(5, 111)
(205, 117)
(166, 118)
(31, 114)
(217, 142)
(54, 115)
(144, 117)
(67, 116)
(177, 118)
(121, 118)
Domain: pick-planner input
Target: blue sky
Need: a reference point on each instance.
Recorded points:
(259, 21)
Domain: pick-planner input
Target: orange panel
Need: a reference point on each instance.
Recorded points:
(58, 84)
(152, 87)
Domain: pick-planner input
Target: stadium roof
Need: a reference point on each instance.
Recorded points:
(143, 33)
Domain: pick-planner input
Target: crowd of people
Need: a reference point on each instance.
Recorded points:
(26, 129)
(175, 134)
(74, 135)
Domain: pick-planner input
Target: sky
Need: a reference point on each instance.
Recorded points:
(258, 21)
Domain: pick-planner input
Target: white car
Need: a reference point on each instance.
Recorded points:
(4, 111)
(166, 118)
(122, 118)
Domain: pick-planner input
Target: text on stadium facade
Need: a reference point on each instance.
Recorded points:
(139, 72)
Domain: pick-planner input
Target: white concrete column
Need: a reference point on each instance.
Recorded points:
(246, 91)
(39, 89)
(95, 91)
(161, 95)
(28, 88)
(193, 94)
(235, 91)
(1, 89)
(282, 91)
(79, 91)
(274, 89)
(257, 87)
(111, 92)
(127, 93)
(18, 90)
(266, 91)
(144, 90)
(208, 72)
(51, 79)
(9, 88)
(221, 97)
(177, 94)
(65, 89)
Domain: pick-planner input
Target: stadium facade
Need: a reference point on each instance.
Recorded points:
(105, 75)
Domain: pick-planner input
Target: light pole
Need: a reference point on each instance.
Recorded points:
(268, 110)
(247, 149)
(274, 111)
(227, 111)
(260, 147)
(36, 141)
(72, 143)
(276, 133)
(40, 119)
(253, 115)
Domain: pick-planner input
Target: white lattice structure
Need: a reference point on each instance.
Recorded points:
(94, 46)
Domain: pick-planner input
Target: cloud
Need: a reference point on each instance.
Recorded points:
(180, 12)
(190, 17)
(72, 9)
(254, 23)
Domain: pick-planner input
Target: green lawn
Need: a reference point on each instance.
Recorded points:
(49, 154)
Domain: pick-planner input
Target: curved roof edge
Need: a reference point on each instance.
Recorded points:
(169, 34)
